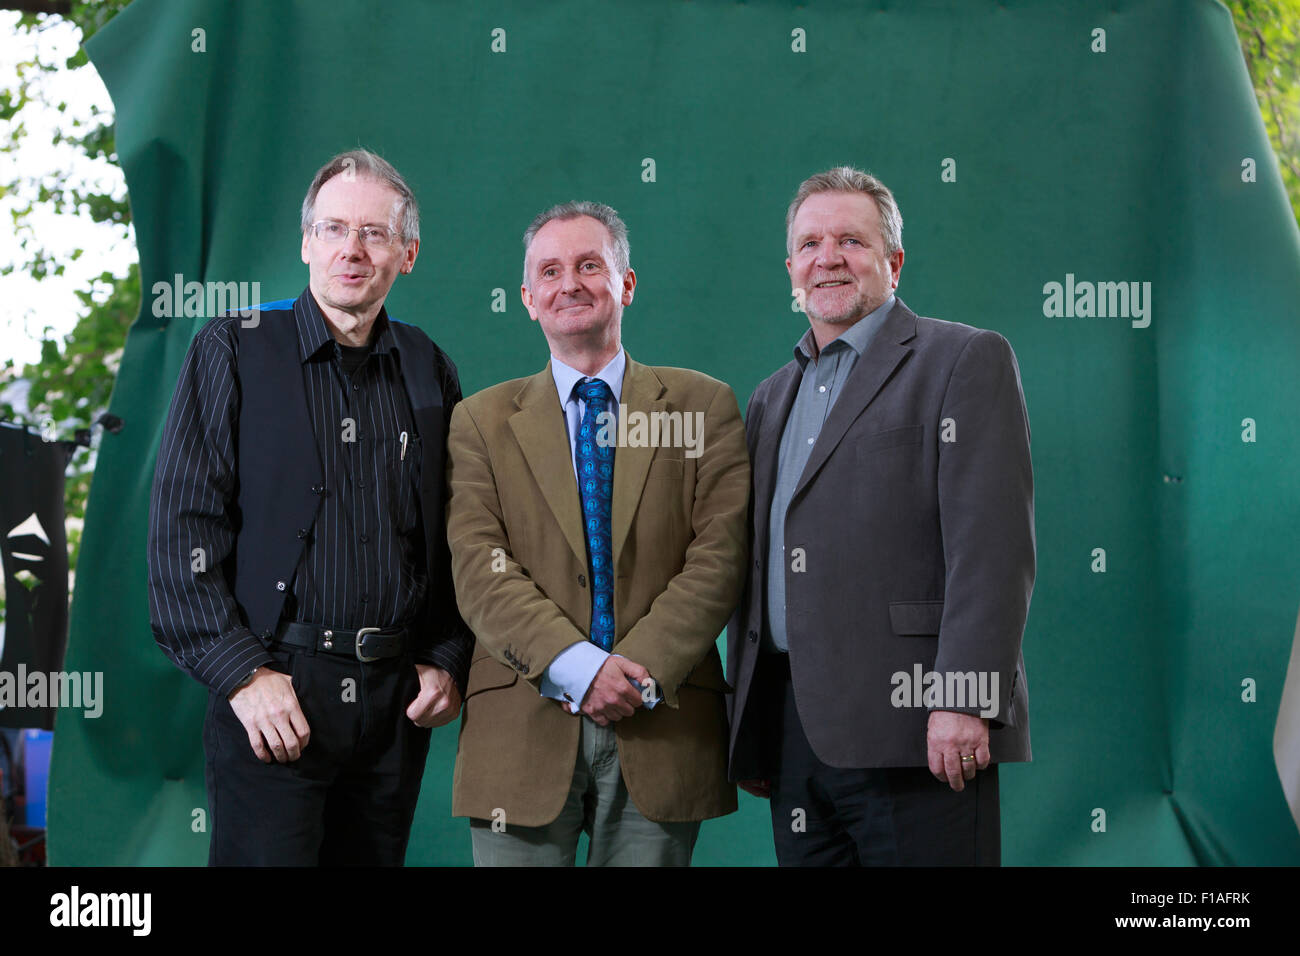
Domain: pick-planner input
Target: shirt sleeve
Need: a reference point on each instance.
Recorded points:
(192, 611)
(571, 672)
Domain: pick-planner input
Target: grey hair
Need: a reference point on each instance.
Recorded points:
(846, 179)
(362, 162)
(575, 209)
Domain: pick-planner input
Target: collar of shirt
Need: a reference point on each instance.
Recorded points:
(858, 337)
(566, 377)
(314, 332)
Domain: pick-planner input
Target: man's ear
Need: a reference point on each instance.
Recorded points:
(408, 260)
(527, 298)
(306, 238)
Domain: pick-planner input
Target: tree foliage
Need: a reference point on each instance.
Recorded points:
(1269, 31)
(68, 388)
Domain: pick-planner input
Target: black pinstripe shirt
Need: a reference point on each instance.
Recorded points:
(364, 562)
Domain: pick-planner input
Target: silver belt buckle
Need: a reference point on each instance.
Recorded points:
(356, 647)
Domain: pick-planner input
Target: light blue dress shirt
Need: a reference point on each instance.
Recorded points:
(573, 669)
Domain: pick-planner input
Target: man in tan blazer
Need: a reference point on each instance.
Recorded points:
(595, 693)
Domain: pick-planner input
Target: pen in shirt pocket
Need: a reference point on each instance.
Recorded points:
(403, 438)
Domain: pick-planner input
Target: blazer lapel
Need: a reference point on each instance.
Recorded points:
(869, 375)
(544, 440)
(642, 392)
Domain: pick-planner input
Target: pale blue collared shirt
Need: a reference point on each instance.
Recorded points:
(573, 669)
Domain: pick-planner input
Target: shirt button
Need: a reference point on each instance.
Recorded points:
(810, 441)
(821, 388)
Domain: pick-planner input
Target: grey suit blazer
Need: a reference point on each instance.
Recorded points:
(915, 514)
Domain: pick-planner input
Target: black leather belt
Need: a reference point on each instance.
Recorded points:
(365, 644)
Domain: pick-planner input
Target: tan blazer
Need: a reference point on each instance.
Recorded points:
(519, 559)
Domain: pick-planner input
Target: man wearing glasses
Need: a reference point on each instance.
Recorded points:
(298, 561)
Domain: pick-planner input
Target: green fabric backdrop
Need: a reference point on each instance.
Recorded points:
(1123, 165)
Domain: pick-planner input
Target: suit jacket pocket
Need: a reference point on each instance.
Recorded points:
(708, 675)
(915, 617)
(907, 435)
(667, 468)
(487, 673)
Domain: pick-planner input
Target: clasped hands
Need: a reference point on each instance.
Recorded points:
(611, 695)
(277, 728)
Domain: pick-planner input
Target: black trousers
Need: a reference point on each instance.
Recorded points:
(888, 816)
(349, 798)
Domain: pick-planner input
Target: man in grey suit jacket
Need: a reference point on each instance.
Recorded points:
(876, 652)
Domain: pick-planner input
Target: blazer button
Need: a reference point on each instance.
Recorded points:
(302, 532)
(753, 636)
(315, 489)
(279, 585)
(758, 563)
(582, 580)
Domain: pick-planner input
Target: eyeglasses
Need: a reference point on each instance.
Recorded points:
(332, 231)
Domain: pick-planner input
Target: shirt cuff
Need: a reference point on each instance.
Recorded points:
(571, 672)
(228, 661)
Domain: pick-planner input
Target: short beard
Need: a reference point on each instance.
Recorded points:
(858, 309)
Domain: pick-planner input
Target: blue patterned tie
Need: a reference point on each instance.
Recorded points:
(596, 489)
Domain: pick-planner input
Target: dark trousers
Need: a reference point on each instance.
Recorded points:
(349, 798)
(887, 816)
